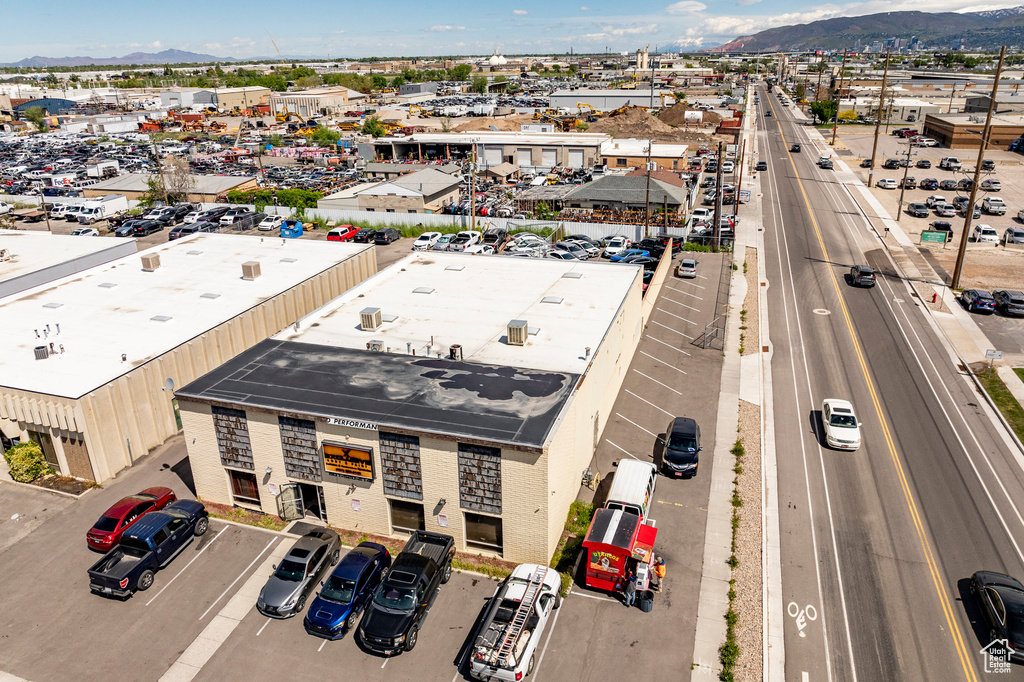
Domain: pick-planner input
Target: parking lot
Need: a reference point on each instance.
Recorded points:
(592, 634)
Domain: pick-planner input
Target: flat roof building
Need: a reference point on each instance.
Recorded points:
(609, 100)
(316, 101)
(450, 392)
(964, 131)
(425, 191)
(85, 359)
(204, 188)
(28, 259)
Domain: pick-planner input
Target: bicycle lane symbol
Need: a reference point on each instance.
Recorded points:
(802, 616)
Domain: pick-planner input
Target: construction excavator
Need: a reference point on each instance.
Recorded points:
(592, 116)
(421, 111)
(286, 115)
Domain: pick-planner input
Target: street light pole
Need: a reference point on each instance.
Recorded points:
(839, 98)
(878, 122)
(969, 212)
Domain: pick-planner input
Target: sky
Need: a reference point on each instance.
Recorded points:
(392, 28)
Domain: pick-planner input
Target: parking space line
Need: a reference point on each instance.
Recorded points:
(385, 662)
(669, 345)
(692, 284)
(657, 382)
(264, 627)
(187, 565)
(682, 304)
(240, 575)
(663, 362)
(547, 641)
(594, 596)
(686, 293)
(621, 448)
(649, 403)
(322, 644)
(678, 316)
(618, 414)
(674, 331)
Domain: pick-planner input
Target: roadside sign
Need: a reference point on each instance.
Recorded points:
(744, 196)
(992, 354)
(936, 236)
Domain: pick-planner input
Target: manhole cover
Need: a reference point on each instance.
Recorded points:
(822, 311)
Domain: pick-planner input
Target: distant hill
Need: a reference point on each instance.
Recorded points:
(165, 57)
(938, 30)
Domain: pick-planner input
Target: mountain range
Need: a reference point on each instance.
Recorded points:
(935, 30)
(139, 58)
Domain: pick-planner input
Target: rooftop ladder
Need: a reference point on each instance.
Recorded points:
(522, 613)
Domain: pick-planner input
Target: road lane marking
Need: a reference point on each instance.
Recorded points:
(264, 627)
(674, 331)
(238, 578)
(663, 362)
(657, 382)
(911, 502)
(692, 284)
(686, 293)
(622, 448)
(680, 350)
(649, 403)
(186, 566)
(617, 414)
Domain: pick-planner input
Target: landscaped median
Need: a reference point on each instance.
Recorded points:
(1001, 396)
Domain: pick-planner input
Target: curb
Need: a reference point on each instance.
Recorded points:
(47, 490)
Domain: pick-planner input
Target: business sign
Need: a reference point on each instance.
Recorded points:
(937, 236)
(992, 354)
(347, 461)
(369, 426)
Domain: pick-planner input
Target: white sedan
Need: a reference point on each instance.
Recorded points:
(842, 430)
(485, 249)
(270, 223)
(85, 232)
(425, 241)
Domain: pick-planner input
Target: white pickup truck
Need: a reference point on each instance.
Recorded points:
(511, 628)
(993, 206)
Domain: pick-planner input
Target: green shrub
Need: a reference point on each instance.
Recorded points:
(26, 462)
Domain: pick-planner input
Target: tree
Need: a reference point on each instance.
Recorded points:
(501, 79)
(26, 462)
(379, 82)
(573, 68)
(37, 117)
(800, 91)
(556, 68)
(175, 180)
(446, 124)
(325, 137)
(848, 115)
(308, 81)
(461, 72)
(824, 110)
(480, 84)
(374, 127)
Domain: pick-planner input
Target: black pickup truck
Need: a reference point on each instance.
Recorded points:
(392, 621)
(149, 545)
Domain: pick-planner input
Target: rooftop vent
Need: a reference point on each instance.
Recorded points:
(557, 300)
(423, 290)
(572, 275)
(289, 260)
(375, 346)
(370, 319)
(161, 318)
(107, 285)
(456, 268)
(52, 305)
(150, 262)
(517, 332)
(209, 295)
(41, 352)
(193, 252)
(455, 351)
(250, 270)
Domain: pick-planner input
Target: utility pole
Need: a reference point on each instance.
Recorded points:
(739, 182)
(839, 97)
(647, 198)
(821, 72)
(878, 122)
(160, 170)
(903, 185)
(969, 212)
(949, 109)
(472, 189)
(718, 199)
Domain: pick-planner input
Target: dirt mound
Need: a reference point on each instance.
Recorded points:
(675, 115)
(639, 124)
(505, 123)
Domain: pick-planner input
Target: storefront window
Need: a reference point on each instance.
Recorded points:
(484, 532)
(244, 487)
(406, 516)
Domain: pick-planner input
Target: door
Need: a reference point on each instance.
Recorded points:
(45, 444)
(549, 158)
(492, 156)
(313, 500)
(575, 158)
(525, 156)
(289, 502)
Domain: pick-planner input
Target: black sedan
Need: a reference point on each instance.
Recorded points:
(795, 148)
(1009, 302)
(918, 210)
(948, 185)
(364, 236)
(1001, 601)
(145, 227)
(978, 301)
(924, 163)
(942, 226)
(761, 166)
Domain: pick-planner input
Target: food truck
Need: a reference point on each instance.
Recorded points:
(617, 542)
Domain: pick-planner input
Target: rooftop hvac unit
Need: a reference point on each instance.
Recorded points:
(41, 352)
(150, 262)
(250, 270)
(376, 346)
(517, 333)
(369, 319)
(455, 352)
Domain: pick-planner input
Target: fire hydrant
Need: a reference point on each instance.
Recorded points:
(935, 298)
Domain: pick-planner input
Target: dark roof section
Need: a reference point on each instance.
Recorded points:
(628, 189)
(613, 527)
(474, 400)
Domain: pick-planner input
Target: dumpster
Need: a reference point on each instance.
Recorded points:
(291, 229)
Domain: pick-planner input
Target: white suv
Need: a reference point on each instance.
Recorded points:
(984, 233)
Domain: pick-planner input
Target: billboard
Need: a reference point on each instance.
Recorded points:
(348, 461)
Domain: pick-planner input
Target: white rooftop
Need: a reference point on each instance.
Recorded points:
(469, 300)
(23, 253)
(118, 308)
(500, 137)
(634, 147)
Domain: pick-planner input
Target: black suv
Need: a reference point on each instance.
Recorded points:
(1009, 302)
(364, 236)
(891, 164)
(988, 165)
(862, 276)
(386, 236)
(145, 227)
(680, 455)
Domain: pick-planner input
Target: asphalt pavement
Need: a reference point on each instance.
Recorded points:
(877, 544)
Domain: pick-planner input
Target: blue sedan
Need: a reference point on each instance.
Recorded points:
(343, 595)
(622, 255)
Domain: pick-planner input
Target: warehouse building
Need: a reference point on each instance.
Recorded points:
(227, 99)
(86, 359)
(609, 100)
(450, 393)
(964, 131)
(628, 193)
(29, 259)
(316, 101)
(204, 188)
(632, 153)
(425, 191)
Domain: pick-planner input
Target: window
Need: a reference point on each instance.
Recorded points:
(160, 536)
(175, 525)
(407, 516)
(318, 556)
(400, 462)
(301, 455)
(621, 163)
(411, 210)
(232, 432)
(244, 487)
(389, 210)
(483, 532)
(480, 478)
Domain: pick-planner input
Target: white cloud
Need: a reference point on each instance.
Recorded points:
(747, 3)
(686, 7)
(155, 44)
(689, 42)
(446, 27)
(520, 12)
(584, 9)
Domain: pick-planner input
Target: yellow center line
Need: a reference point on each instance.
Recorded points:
(947, 609)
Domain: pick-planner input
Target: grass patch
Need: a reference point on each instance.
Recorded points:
(729, 652)
(1004, 400)
(569, 547)
(246, 516)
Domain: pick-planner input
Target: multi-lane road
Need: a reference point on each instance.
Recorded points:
(877, 545)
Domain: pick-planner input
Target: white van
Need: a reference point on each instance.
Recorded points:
(632, 488)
